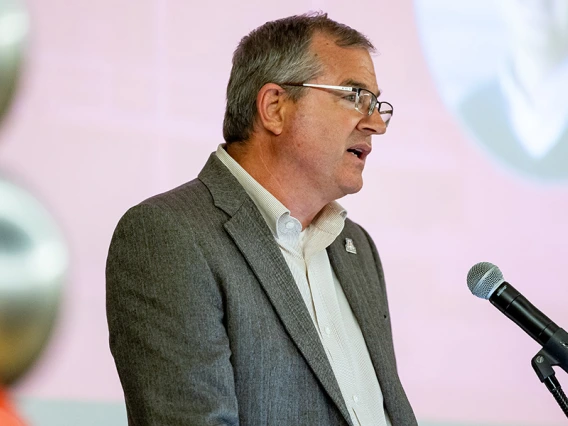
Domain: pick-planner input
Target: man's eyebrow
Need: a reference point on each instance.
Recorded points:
(356, 83)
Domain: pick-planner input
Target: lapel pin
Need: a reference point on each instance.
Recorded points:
(349, 246)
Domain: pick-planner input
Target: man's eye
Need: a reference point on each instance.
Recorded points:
(350, 98)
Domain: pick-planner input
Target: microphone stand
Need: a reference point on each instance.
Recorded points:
(554, 353)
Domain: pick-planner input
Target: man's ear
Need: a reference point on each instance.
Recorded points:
(271, 107)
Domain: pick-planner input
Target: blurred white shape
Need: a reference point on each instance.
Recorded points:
(13, 27)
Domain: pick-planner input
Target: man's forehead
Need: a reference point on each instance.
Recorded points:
(347, 66)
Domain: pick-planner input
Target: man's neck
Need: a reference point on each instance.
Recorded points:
(257, 161)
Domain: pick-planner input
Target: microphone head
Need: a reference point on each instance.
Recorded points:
(483, 279)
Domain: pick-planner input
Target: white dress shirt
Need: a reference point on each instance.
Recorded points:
(306, 256)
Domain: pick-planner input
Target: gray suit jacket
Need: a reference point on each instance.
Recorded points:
(208, 327)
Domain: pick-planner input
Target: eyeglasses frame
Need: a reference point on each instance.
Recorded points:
(356, 90)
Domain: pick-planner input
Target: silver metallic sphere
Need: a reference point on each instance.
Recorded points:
(33, 263)
(14, 27)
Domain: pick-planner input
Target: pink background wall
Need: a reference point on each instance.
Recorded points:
(122, 99)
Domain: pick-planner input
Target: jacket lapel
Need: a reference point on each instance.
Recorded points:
(253, 237)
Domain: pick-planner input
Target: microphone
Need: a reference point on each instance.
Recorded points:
(486, 281)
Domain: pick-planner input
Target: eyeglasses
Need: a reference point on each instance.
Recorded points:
(363, 100)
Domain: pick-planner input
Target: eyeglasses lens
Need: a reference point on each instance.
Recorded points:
(364, 101)
(386, 112)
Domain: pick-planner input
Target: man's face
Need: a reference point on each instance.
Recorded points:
(323, 125)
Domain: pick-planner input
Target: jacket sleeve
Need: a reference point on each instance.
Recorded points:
(166, 325)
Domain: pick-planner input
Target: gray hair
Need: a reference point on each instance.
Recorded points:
(278, 52)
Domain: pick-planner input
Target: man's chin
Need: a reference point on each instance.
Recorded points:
(352, 188)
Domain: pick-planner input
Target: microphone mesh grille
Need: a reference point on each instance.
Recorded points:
(483, 278)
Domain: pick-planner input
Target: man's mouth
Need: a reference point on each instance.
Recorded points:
(355, 151)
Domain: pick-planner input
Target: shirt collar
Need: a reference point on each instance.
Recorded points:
(330, 220)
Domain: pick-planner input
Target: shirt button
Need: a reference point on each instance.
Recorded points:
(355, 398)
(328, 331)
(290, 225)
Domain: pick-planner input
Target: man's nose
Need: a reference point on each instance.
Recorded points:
(373, 124)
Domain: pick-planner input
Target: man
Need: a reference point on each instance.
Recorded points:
(245, 296)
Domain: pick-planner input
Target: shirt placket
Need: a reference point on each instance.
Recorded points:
(330, 325)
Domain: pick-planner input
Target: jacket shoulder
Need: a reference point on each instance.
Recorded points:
(189, 194)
